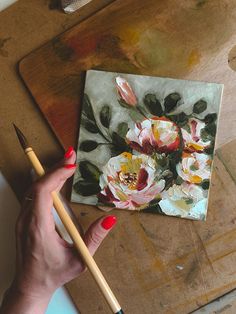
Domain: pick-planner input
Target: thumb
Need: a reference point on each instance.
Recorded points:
(97, 232)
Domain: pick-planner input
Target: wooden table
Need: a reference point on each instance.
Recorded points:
(26, 26)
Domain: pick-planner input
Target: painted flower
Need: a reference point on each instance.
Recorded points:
(193, 140)
(125, 91)
(157, 134)
(194, 167)
(129, 181)
(185, 200)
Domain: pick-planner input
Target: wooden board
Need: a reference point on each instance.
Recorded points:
(154, 264)
(180, 39)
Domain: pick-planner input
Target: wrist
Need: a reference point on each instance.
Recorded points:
(22, 302)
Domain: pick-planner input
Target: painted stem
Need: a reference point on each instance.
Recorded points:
(106, 144)
(141, 112)
(99, 130)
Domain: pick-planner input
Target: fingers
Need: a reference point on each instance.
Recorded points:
(97, 232)
(55, 179)
(69, 158)
(40, 200)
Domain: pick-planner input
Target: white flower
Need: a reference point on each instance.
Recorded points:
(129, 181)
(193, 140)
(194, 167)
(185, 200)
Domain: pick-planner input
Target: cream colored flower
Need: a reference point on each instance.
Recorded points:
(194, 167)
(185, 200)
(129, 181)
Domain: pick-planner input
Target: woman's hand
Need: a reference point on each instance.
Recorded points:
(44, 260)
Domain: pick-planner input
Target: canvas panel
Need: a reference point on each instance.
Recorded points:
(146, 143)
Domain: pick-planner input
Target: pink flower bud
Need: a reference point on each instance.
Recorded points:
(125, 91)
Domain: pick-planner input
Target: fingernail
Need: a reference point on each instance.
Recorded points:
(108, 222)
(70, 166)
(69, 152)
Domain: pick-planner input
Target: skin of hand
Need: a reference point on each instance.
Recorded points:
(44, 261)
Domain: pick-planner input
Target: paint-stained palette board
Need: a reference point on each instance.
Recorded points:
(172, 39)
(163, 265)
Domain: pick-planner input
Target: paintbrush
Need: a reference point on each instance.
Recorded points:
(72, 230)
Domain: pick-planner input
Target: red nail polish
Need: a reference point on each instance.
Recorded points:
(69, 152)
(70, 166)
(108, 222)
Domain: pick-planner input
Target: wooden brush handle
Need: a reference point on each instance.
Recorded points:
(75, 236)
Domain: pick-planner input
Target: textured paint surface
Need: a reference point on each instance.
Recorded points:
(146, 143)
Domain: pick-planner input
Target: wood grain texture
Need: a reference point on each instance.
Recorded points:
(158, 264)
(180, 39)
(154, 264)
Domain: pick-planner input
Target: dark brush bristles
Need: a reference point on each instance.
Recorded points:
(22, 139)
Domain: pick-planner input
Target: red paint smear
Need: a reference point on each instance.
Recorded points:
(84, 46)
(107, 44)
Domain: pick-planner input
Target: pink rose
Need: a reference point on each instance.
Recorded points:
(193, 141)
(157, 134)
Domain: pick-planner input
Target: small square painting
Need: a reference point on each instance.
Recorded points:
(146, 144)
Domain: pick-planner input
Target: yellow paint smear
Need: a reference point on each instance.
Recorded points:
(195, 179)
(129, 35)
(194, 58)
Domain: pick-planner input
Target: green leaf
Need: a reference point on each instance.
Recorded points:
(120, 144)
(188, 201)
(105, 116)
(168, 176)
(88, 146)
(205, 136)
(187, 128)
(199, 106)
(180, 119)
(118, 140)
(89, 126)
(124, 104)
(174, 159)
(171, 101)
(89, 171)
(122, 129)
(161, 159)
(211, 129)
(179, 180)
(153, 208)
(87, 107)
(205, 184)
(209, 150)
(153, 105)
(86, 188)
(176, 156)
(211, 117)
